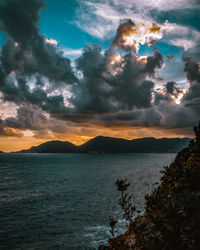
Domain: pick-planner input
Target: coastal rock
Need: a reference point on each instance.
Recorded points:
(171, 218)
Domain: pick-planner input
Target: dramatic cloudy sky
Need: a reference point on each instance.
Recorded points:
(75, 69)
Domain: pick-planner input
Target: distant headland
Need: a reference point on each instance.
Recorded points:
(101, 144)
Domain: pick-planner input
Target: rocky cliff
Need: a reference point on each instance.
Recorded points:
(172, 211)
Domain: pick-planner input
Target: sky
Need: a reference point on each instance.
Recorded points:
(72, 70)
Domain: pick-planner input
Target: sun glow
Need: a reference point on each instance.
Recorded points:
(177, 99)
(117, 63)
(142, 59)
(140, 35)
(117, 58)
(51, 41)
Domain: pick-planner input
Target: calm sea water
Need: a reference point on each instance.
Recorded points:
(62, 201)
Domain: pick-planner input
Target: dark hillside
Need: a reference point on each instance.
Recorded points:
(172, 211)
(53, 147)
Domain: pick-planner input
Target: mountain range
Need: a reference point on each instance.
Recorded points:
(101, 144)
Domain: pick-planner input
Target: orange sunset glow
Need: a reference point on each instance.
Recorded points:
(79, 135)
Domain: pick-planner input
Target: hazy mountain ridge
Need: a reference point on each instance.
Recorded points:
(101, 144)
(53, 147)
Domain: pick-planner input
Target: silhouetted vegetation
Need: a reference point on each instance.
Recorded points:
(125, 200)
(194, 145)
(172, 211)
(112, 223)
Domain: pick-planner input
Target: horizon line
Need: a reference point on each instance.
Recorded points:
(78, 145)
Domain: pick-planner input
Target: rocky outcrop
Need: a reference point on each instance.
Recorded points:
(172, 211)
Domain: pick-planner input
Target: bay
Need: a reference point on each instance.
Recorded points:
(62, 201)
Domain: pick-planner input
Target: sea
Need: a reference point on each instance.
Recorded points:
(63, 201)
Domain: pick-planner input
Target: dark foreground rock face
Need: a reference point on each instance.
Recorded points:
(172, 212)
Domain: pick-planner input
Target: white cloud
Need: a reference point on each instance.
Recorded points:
(51, 41)
(186, 44)
(101, 18)
(70, 52)
(180, 36)
(158, 4)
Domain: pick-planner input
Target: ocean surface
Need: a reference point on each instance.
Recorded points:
(62, 201)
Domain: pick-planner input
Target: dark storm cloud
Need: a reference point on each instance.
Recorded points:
(8, 132)
(194, 105)
(101, 91)
(112, 89)
(19, 18)
(192, 69)
(27, 51)
(192, 98)
(193, 93)
(165, 115)
(158, 97)
(27, 55)
(172, 89)
(21, 94)
(143, 117)
(153, 62)
(188, 112)
(37, 57)
(27, 118)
